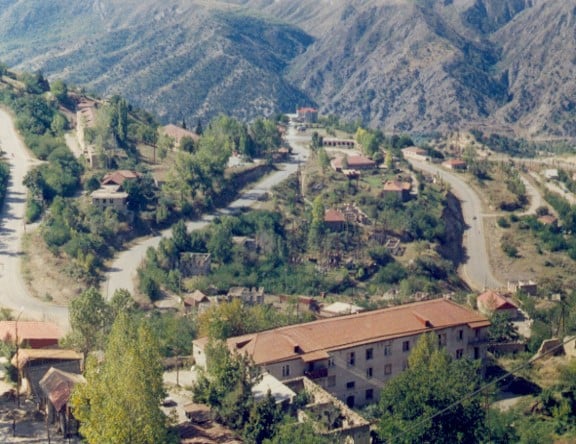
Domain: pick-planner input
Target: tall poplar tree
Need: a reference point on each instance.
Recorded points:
(120, 403)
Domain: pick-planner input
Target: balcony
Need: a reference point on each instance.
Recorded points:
(316, 374)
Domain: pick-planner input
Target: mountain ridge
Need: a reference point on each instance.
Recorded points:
(418, 66)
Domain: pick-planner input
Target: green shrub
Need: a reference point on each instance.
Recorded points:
(33, 210)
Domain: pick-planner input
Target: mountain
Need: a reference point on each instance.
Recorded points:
(401, 65)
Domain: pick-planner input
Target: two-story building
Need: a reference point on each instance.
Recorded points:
(353, 356)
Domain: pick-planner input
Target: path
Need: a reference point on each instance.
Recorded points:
(13, 292)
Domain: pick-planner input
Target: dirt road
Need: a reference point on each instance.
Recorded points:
(13, 292)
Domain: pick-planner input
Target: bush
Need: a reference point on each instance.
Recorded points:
(503, 222)
(33, 210)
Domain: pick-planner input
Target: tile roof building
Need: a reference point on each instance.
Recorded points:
(334, 219)
(454, 164)
(352, 162)
(492, 301)
(396, 188)
(353, 356)
(34, 334)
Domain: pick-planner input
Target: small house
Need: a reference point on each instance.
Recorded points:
(491, 302)
(32, 334)
(400, 190)
(357, 162)
(334, 220)
(248, 295)
(56, 387)
(454, 164)
(32, 364)
(527, 287)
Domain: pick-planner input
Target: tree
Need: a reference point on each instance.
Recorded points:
(220, 243)
(187, 144)
(317, 225)
(226, 386)
(59, 90)
(120, 402)
(502, 329)
(426, 403)
(90, 319)
(264, 418)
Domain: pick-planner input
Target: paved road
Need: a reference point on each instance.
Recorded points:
(124, 268)
(13, 291)
(476, 271)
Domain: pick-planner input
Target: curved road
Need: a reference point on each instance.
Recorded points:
(123, 270)
(476, 271)
(13, 292)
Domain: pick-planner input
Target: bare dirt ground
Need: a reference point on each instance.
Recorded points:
(45, 274)
(24, 424)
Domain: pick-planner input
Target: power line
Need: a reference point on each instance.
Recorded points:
(484, 387)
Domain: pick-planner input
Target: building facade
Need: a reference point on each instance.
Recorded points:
(352, 357)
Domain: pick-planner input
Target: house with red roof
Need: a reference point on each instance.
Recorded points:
(33, 334)
(355, 162)
(454, 164)
(334, 219)
(491, 302)
(398, 189)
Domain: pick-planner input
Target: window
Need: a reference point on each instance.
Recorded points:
(285, 370)
(388, 350)
(459, 353)
(331, 382)
(406, 346)
(388, 369)
(460, 335)
(369, 353)
(369, 394)
(405, 365)
(350, 385)
(351, 359)
(330, 362)
(442, 340)
(369, 372)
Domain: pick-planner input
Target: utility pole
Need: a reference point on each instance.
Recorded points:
(18, 379)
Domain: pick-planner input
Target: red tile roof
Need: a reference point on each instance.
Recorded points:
(29, 331)
(287, 343)
(394, 185)
(57, 385)
(29, 354)
(118, 177)
(493, 300)
(332, 215)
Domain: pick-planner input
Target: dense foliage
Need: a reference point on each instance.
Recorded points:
(427, 402)
(120, 401)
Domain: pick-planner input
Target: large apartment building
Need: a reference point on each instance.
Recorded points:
(353, 356)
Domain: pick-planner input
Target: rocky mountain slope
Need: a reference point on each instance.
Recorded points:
(402, 65)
